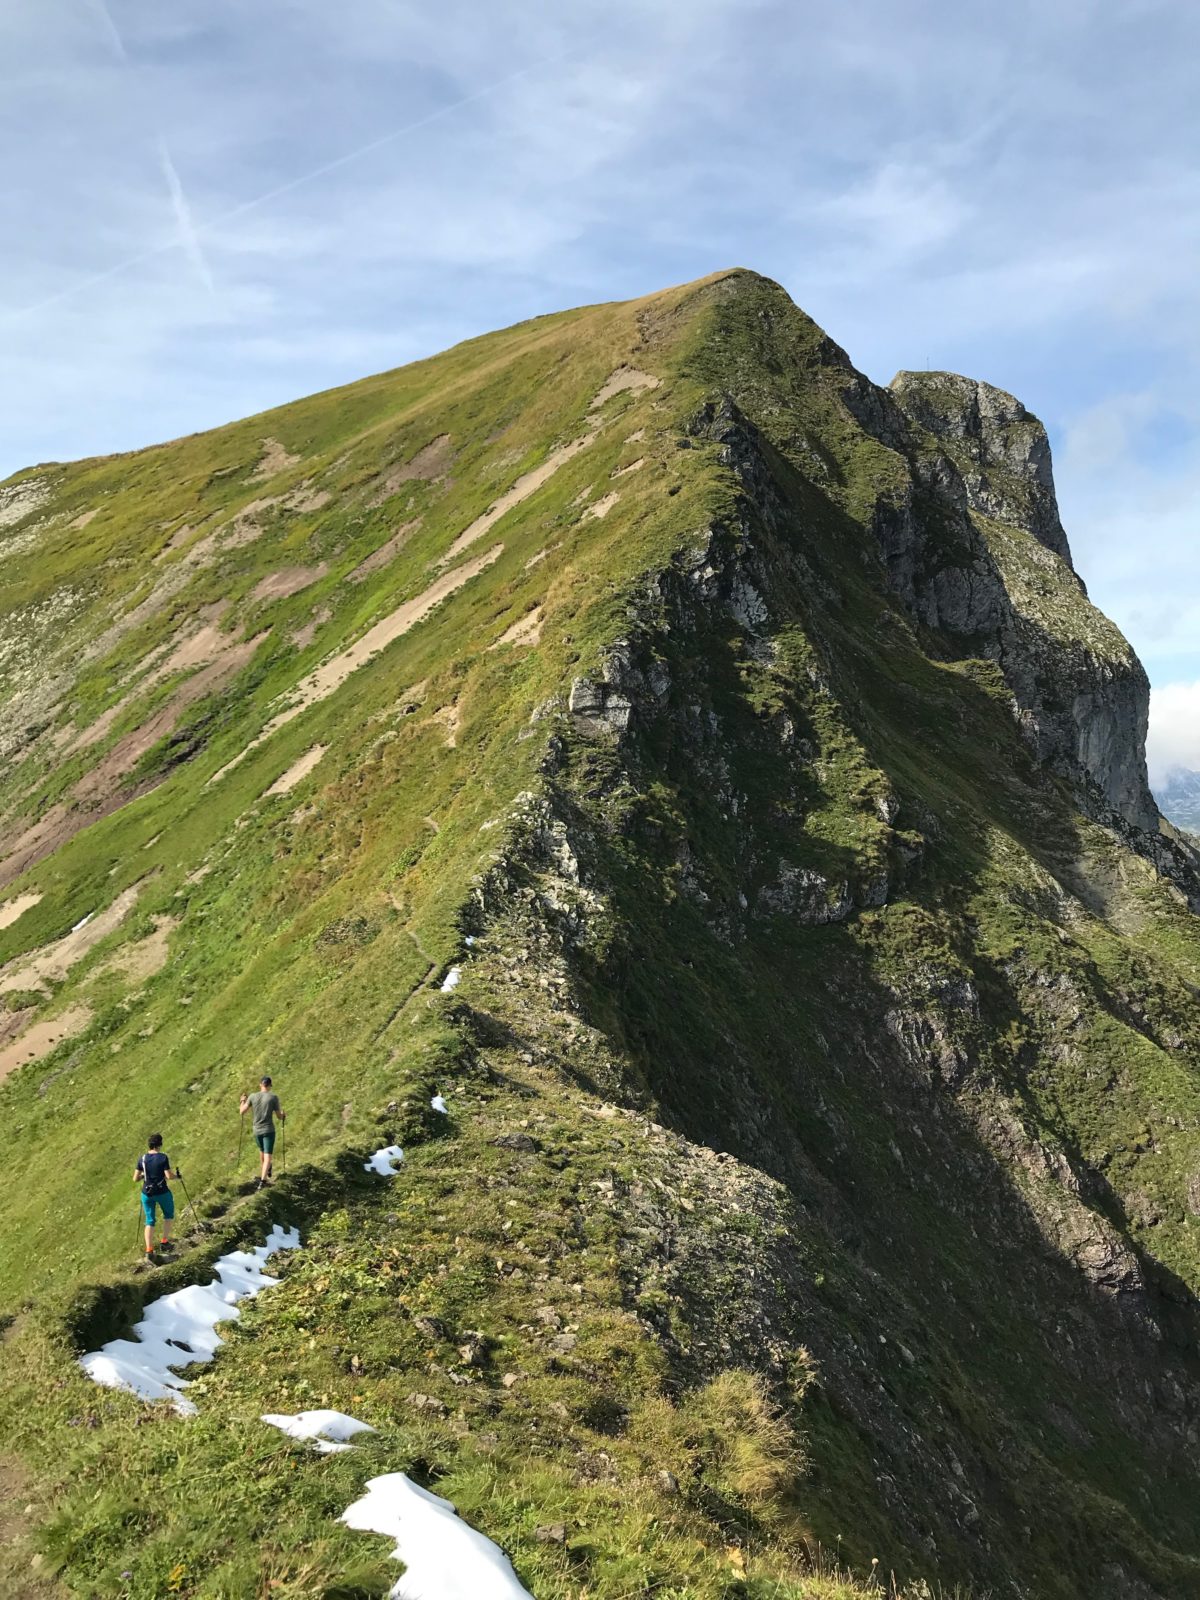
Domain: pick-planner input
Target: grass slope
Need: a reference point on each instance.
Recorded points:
(919, 1241)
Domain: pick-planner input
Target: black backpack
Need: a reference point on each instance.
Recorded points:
(159, 1184)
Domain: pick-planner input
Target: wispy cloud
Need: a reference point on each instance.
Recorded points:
(1014, 194)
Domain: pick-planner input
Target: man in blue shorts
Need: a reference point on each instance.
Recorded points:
(152, 1171)
(265, 1106)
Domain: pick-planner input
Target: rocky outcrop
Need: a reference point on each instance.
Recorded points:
(1000, 449)
(974, 546)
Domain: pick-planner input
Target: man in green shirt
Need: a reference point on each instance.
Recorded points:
(265, 1107)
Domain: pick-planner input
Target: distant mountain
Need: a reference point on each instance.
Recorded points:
(1179, 798)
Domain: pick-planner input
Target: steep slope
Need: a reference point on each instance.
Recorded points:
(824, 1149)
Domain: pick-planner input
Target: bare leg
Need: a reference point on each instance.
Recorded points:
(166, 1229)
(149, 1238)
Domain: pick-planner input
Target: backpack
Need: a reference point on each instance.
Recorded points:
(154, 1186)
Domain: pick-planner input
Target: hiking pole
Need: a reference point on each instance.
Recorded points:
(196, 1222)
(241, 1136)
(282, 1146)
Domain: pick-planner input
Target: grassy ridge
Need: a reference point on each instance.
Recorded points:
(915, 1269)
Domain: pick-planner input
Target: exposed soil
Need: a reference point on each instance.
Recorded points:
(304, 635)
(621, 472)
(288, 580)
(101, 791)
(275, 458)
(331, 674)
(125, 754)
(430, 464)
(528, 630)
(378, 559)
(147, 956)
(84, 517)
(448, 719)
(53, 962)
(40, 1038)
(602, 507)
(12, 909)
(207, 643)
(528, 483)
(622, 379)
(298, 771)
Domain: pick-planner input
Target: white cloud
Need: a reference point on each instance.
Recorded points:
(1174, 739)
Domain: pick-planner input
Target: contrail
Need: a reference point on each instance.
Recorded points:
(184, 221)
(182, 211)
(198, 232)
(110, 28)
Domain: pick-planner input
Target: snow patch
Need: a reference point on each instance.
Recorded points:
(451, 980)
(181, 1328)
(386, 1161)
(328, 1430)
(439, 1104)
(444, 1558)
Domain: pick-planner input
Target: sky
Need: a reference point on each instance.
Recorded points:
(215, 206)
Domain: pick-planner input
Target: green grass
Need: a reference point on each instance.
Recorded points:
(830, 1303)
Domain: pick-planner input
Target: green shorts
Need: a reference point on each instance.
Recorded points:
(165, 1201)
(265, 1141)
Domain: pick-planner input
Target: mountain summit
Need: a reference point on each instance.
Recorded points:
(679, 794)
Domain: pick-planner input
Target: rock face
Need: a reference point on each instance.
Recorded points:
(1000, 449)
(822, 1020)
(974, 546)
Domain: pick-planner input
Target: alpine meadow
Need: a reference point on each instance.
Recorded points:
(665, 814)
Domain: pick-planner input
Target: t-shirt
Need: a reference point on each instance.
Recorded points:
(153, 1168)
(263, 1103)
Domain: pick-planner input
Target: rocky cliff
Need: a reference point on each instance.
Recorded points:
(704, 771)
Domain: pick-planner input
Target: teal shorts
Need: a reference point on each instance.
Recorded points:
(265, 1141)
(165, 1201)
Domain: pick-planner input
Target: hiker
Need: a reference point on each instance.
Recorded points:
(266, 1107)
(152, 1171)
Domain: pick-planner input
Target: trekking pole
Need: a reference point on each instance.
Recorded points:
(196, 1222)
(241, 1136)
(282, 1146)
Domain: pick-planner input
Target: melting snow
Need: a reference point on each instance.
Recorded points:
(328, 1430)
(439, 1104)
(444, 1558)
(450, 981)
(385, 1161)
(181, 1328)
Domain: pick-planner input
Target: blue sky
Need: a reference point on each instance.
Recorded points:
(218, 205)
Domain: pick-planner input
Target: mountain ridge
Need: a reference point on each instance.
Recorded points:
(840, 952)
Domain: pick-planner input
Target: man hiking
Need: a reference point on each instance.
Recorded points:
(265, 1106)
(152, 1171)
